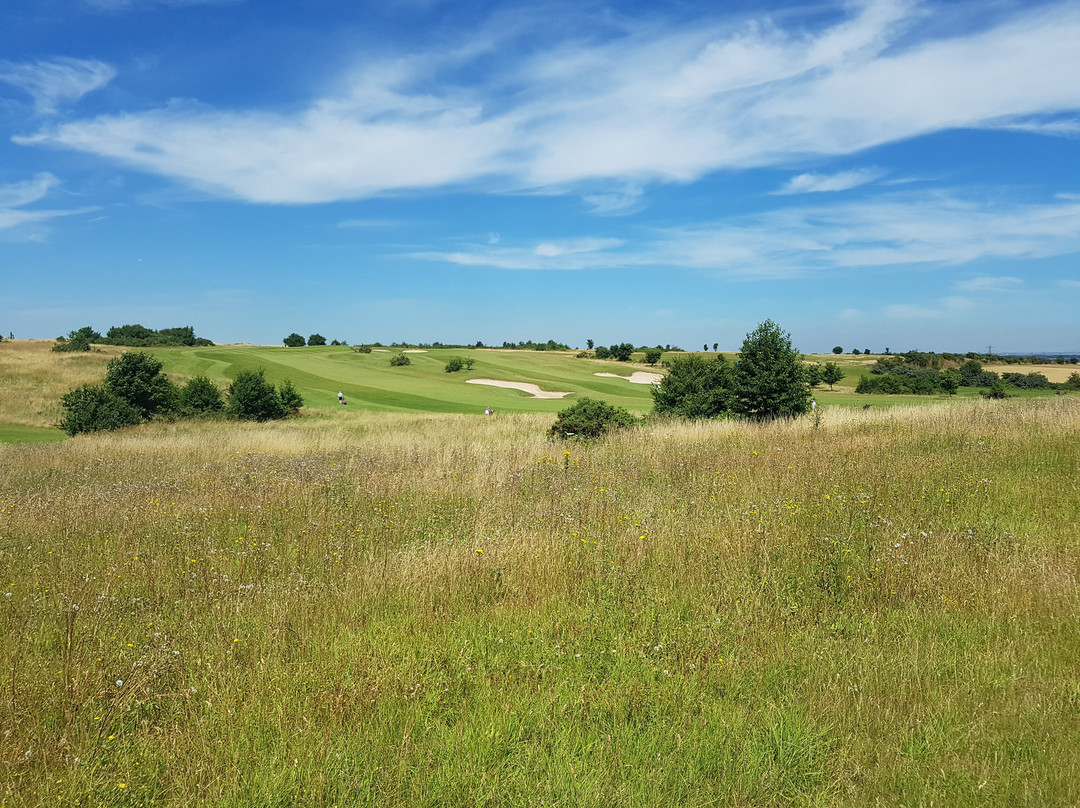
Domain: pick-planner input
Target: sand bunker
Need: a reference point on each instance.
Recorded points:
(414, 350)
(637, 377)
(531, 389)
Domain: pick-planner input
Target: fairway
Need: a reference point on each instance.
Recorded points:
(371, 383)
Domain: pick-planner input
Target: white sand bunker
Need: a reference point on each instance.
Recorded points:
(637, 377)
(531, 389)
(415, 350)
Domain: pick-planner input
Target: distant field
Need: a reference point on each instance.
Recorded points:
(1054, 372)
(33, 379)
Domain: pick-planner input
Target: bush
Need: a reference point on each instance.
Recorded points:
(652, 356)
(455, 364)
(136, 377)
(290, 397)
(602, 352)
(252, 398)
(695, 387)
(294, 340)
(92, 408)
(362, 349)
(400, 360)
(78, 340)
(590, 418)
(200, 396)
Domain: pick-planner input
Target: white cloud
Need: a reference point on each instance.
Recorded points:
(654, 104)
(984, 283)
(58, 81)
(1070, 284)
(841, 181)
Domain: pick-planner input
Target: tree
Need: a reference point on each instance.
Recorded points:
(316, 339)
(831, 374)
(93, 407)
(814, 375)
(866, 351)
(590, 418)
(602, 352)
(838, 349)
(622, 352)
(253, 398)
(294, 340)
(695, 387)
(291, 400)
(652, 356)
(950, 381)
(136, 377)
(200, 396)
(715, 345)
(770, 380)
(589, 344)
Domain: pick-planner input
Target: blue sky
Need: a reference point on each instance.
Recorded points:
(879, 174)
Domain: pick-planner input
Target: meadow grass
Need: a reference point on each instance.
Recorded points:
(872, 607)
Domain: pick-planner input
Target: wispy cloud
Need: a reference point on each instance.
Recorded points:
(900, 230)
(57, 81)
(985, 283)
(133, 5)
(840, 181)
(651, 104)
(369, 224)
(16, 196)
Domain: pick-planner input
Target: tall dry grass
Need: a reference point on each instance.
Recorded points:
(33, 378)
(877, 608)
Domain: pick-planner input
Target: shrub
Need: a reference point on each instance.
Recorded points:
(294, 340)
(455, 364)
(590, 418)
(136, 377)
(695, 387)
(92, 408)
(290, 397)
(652, 356)
(1073, 382)
(78, 340)
(400, 360)
(200, 396)
(252, 398)
(362, 349)
(602, 352)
